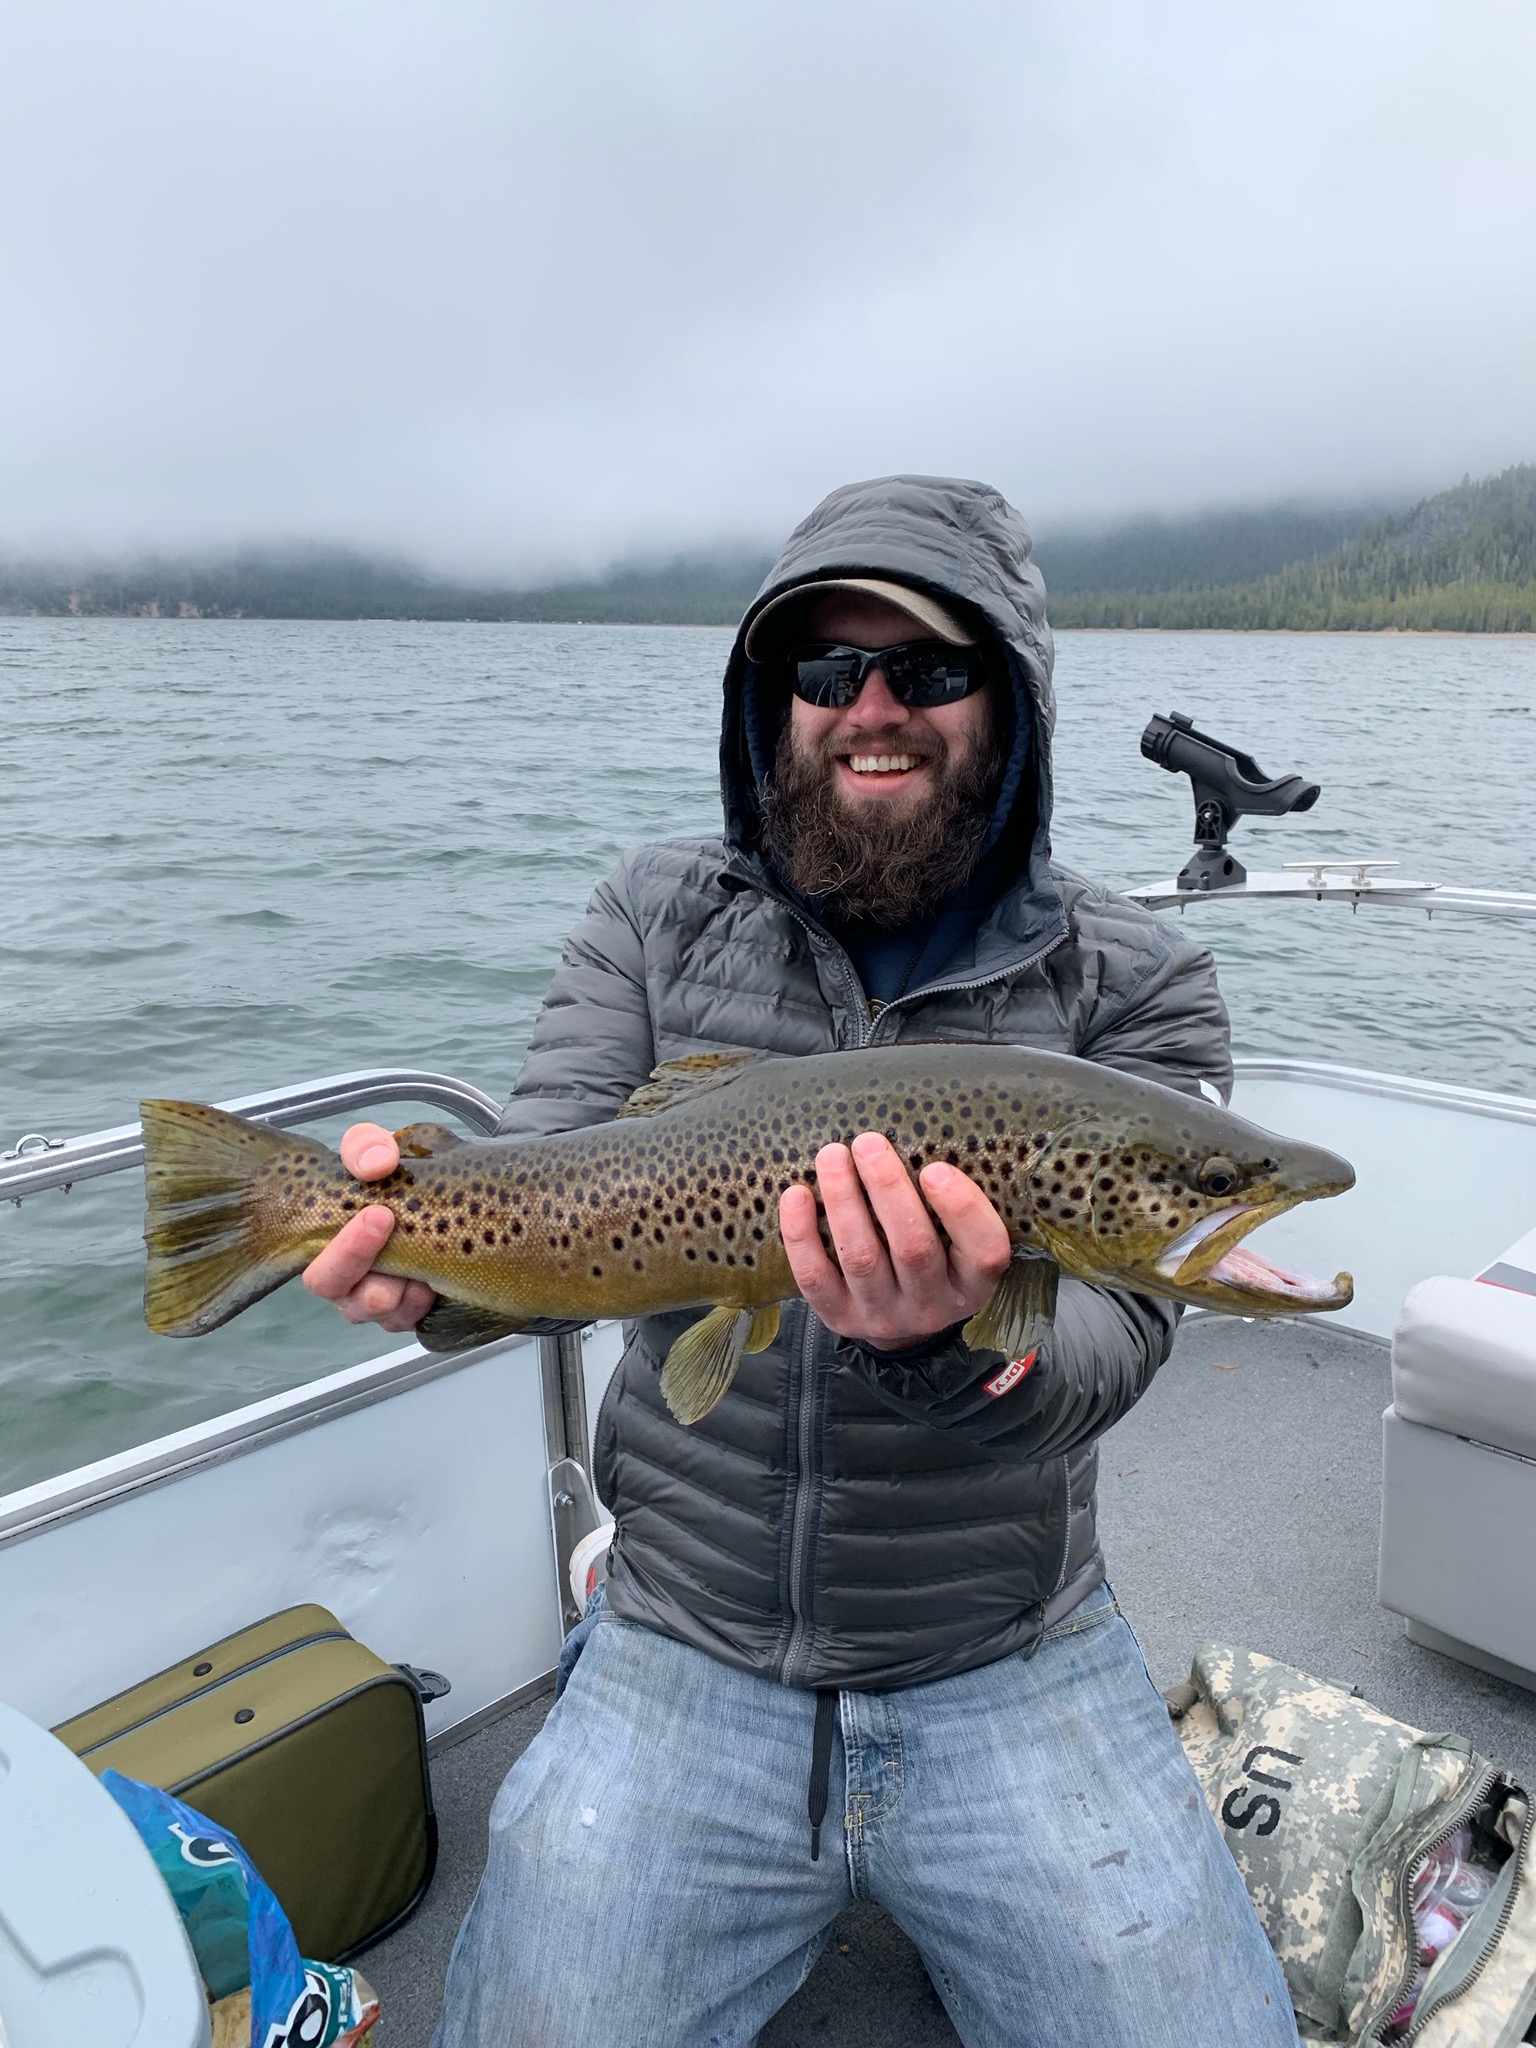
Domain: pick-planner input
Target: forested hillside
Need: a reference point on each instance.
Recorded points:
(1199, 551)
(314, 582)
(1464, 561)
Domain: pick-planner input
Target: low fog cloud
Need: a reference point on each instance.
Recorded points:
(524, 287)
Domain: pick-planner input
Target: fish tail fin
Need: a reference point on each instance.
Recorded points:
(209, 1256)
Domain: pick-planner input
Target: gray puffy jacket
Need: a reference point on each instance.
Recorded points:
(842, 1518)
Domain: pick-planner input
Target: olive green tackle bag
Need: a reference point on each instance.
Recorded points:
(309, 1749)
(1390, 1868)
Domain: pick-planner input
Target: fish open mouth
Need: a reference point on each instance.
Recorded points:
(1253, 1276)
(1182, 1251)
(1210, 1260)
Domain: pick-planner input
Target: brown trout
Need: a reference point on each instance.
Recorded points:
(1115, 1180)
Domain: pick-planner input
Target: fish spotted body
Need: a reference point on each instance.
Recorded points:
(1115, 1180)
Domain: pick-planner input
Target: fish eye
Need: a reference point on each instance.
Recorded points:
(1218, 1176)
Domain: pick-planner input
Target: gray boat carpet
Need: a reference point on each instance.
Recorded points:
(1239, 1502)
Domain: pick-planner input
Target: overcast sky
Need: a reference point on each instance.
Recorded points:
(527, 287)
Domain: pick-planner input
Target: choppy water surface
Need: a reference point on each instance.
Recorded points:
(242, 854)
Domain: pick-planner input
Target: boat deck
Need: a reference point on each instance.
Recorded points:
(1239, 1502)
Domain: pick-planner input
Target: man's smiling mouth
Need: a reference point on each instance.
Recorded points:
(882, 764)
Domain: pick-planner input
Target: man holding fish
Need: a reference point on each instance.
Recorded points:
(856, 1525)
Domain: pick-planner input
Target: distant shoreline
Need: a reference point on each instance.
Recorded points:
(139, 618)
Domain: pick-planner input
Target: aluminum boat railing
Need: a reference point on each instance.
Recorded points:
(1341, 881)
(37, 1162)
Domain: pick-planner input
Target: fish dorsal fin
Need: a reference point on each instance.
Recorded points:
(677, 1081)
(420, 1141)
(1018, 1318)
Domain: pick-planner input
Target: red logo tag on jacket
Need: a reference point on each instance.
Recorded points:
(1010, 1375)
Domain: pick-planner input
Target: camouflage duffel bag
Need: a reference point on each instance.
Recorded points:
(1389, 1867)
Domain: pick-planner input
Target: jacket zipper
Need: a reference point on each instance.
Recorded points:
(869, 1026)
(800, 1513)
(807, 1481)
(851, 980)
(1468, 1804)
(950, 988)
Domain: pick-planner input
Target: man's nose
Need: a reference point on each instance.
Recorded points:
(876, 705)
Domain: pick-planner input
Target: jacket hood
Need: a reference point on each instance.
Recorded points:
(960, 540)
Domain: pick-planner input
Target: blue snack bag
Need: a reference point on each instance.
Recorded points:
(238, 1931)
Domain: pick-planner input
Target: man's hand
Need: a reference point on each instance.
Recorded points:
(894, 1290)
(343, 1273)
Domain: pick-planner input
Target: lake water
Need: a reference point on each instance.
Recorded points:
(241, 854)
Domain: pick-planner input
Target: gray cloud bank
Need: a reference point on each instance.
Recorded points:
(523, 288)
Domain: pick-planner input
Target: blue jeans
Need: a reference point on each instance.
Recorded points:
(1032, 1825)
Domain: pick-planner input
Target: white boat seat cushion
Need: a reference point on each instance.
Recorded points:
(1464, 1360)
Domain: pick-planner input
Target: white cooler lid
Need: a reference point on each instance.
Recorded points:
(92, 1950)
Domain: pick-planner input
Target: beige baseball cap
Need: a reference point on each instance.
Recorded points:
(772, 631)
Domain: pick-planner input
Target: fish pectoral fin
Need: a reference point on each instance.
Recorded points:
(765, 1327)
(703, 1361)
(1018, 1318)
(456, 1326)
(677, 1081)
(420, 1141)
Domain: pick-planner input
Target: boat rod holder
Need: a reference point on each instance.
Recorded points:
(1228, 785)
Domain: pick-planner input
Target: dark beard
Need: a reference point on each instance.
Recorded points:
(883, 865)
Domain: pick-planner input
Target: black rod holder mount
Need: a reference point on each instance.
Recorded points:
(1228, 785)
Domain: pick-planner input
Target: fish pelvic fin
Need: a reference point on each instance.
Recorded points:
(459, 1325)
(1018, 1318)
(677, 1081)
(209, 1256)
(703, 1361)
(765, 1327)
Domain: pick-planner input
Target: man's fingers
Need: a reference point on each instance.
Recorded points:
(916, 1251)
(369, 1152)
(860, 1249)
(375, 1297)
(334, 1272)
(403, 1308)
(815, 1275)
(414, 1303)
(979, 1249)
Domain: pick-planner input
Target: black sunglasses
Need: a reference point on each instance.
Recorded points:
(919, 673)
